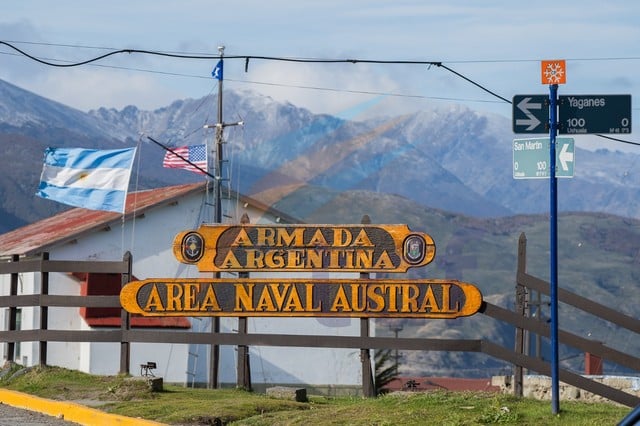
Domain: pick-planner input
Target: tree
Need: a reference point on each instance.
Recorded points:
(386, 369)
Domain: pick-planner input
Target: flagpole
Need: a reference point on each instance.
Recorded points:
(218, 74)
(219, 130)
(215, 326)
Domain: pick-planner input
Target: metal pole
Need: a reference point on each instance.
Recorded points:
(219, 135)
(215, 322)
(125, 320)
(243, 369)
(553, 189)
(218, 179)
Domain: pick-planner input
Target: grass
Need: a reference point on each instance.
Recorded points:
(186, 406)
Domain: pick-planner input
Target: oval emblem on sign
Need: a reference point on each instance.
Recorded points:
(414, 249)
(192, 245)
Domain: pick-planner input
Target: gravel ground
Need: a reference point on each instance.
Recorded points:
(11, 416)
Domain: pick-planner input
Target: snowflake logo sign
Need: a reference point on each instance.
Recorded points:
(553, 72)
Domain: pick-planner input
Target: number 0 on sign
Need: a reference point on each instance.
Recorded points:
(531, 158)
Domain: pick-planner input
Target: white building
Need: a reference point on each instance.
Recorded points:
(147, 230)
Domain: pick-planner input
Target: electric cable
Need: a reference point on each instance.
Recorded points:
(247, 58)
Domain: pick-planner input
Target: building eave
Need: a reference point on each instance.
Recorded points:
(75, 223)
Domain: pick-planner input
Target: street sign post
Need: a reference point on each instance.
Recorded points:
(589, 114)
(531, 158)
(530, 114)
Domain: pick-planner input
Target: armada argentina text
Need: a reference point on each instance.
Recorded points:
(339, 248)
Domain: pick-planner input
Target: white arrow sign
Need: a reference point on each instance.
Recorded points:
(531, 158)
(565, 157)
(530, 113)
(525, 105)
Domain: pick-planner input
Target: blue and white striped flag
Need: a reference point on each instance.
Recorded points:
(89, 178)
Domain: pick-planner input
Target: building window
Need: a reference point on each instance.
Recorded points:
(100, 284)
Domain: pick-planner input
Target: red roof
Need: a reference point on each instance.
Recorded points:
(70, 224)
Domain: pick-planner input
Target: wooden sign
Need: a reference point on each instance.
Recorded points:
(430, 298)
(338, 248)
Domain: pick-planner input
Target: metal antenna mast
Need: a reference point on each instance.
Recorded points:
(217, 184)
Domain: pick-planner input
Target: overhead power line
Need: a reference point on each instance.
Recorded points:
(469, 61)
(248, 58)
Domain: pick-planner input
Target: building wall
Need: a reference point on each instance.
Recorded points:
(149, 238)
(64, 354)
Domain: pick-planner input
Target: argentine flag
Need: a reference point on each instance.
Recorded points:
(89, 178)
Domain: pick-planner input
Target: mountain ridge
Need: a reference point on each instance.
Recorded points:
(445, 171)
(448, 157)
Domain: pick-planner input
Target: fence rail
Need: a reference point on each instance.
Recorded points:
(125, 335)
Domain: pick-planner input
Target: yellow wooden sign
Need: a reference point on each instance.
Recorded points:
(338, 248)
(426, 298)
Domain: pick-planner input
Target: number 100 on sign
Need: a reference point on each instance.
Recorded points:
(531, 158)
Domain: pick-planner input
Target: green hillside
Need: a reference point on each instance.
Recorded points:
(598, 258)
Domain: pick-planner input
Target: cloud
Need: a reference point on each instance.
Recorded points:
(335, 88)
(90, 88)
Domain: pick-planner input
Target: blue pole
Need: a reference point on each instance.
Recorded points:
(553, 190)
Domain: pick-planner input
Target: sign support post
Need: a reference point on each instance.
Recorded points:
(553, 73)
(581, 114)
(553, 208)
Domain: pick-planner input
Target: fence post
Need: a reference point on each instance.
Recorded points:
(243, 368)
(521, 302)
(13, 311)
(125, 321)
(44, 310)
(368, 387)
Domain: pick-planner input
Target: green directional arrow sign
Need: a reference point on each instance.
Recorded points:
(531, 158)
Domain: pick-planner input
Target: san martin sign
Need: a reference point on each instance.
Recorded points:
(430, 298)
(337, 248)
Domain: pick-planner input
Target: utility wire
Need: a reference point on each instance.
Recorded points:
(618, 140)
(247, 59)
(470, 61)
(474, 83)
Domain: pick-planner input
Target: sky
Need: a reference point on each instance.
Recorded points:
(496, 44)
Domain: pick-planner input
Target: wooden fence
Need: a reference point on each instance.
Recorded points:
(126, 335)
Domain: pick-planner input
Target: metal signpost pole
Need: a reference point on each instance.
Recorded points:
(553, 281)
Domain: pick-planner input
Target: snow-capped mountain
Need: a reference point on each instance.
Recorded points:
(451, 158)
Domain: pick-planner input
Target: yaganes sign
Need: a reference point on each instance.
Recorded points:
(338, 248)
(299, 297)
